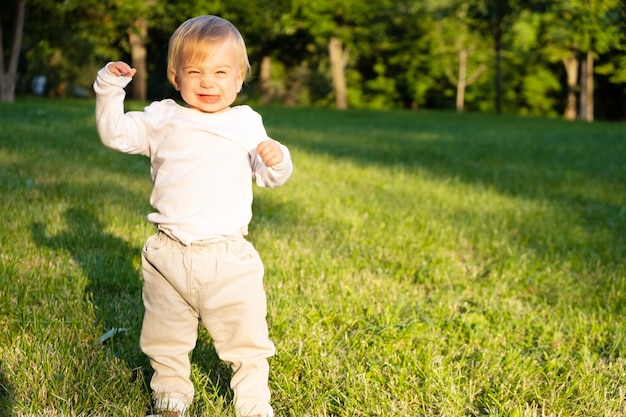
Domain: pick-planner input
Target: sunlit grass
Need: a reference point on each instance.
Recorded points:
(418, 263)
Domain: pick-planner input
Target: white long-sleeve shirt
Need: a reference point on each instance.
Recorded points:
(202, 164)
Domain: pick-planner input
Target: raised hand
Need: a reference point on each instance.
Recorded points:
(121, 69)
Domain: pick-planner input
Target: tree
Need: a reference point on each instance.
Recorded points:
(137, 37)
(457, 45)
(496, 17)
(535, 84)
(571, 69)
(614, 63)
(338, 60)
(67, 42)
(493, 17)
(600, 32)
(327, 22)
(577, 32)
(134, 17)
(8, 70)
(339, 27)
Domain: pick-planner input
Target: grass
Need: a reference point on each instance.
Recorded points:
(418, 264)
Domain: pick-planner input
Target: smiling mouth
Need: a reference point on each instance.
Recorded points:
(208, 98)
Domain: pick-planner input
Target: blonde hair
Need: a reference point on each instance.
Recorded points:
(193, 40)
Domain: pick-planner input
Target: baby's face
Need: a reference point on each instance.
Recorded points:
(211, 84)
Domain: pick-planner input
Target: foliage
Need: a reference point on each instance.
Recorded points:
(399, 51)
(418, 263)
(63, 43)
(615, 64)
(538, 85)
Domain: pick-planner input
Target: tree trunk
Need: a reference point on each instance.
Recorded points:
(463, 80)
(582, 103)
(338, 62)
(137, 36)
(586, 88)
(266, 76)
(8, 75)
(498, 47)
(461, 83)
(571, 68)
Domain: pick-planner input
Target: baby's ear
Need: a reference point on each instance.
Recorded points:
(241, 77)
(174, 79)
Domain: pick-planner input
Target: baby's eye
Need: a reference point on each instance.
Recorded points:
(221, 72)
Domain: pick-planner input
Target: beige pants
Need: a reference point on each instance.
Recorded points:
(221, 284)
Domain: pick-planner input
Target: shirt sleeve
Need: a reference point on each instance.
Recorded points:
(124, 132)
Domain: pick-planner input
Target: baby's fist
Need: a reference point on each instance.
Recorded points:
(270, 152)
(121, 69)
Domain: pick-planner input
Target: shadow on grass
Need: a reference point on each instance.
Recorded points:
(116, 293)
(107, 260)
(217, 373)
(6, 395)
(113, 284)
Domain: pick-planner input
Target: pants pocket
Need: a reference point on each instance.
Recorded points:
(155, 242)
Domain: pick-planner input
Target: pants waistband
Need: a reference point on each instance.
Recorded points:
(217, 243)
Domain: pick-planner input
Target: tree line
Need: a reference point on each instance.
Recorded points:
(554, 58)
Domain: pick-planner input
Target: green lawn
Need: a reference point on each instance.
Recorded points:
(418, 264)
